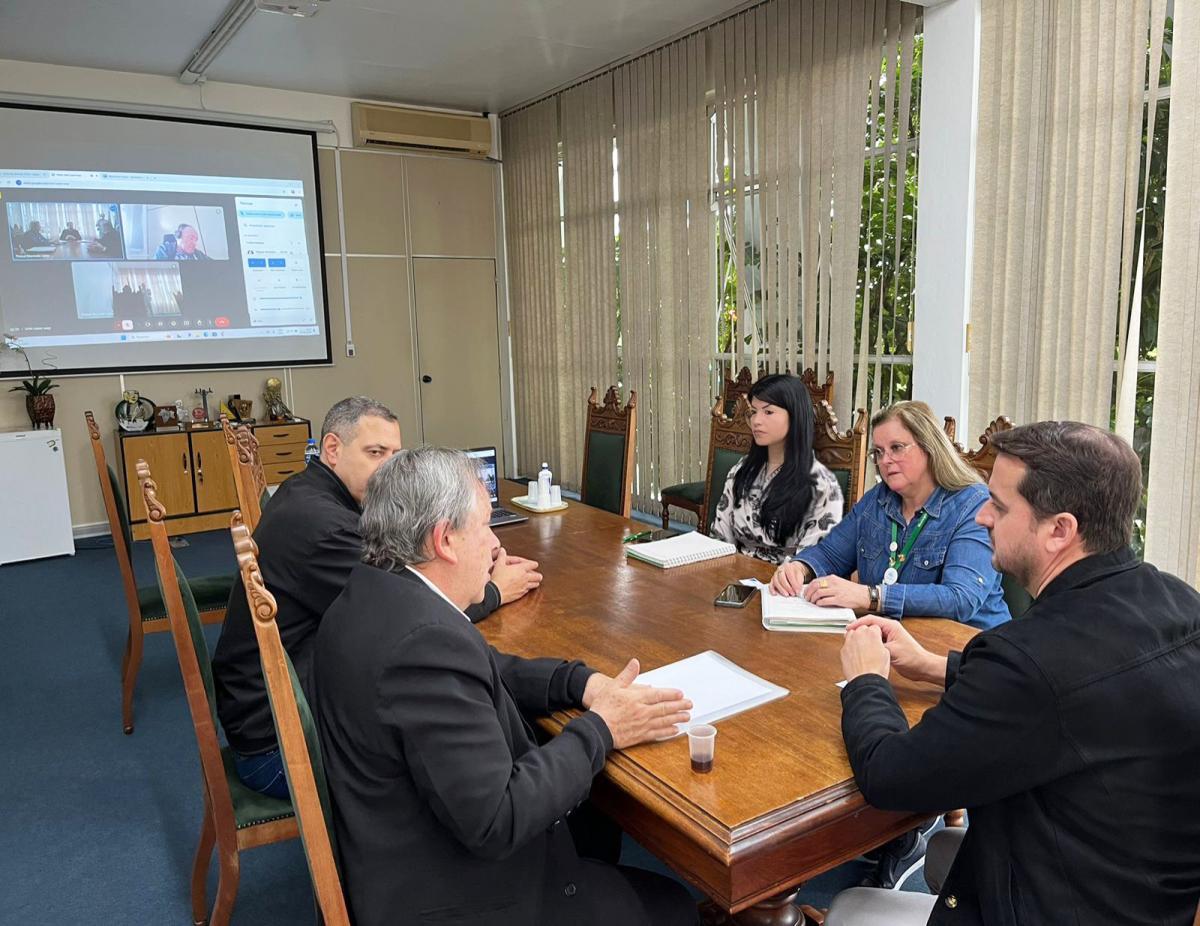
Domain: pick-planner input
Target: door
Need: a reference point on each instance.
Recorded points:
(215, 490)
(458, 352)
(170, 465)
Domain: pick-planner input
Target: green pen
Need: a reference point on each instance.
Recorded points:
(632, 537)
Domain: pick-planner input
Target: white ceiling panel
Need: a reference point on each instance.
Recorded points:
(472, 54)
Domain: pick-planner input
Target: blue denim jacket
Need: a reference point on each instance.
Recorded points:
(949, 571)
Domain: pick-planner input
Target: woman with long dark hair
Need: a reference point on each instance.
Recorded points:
(779, 499)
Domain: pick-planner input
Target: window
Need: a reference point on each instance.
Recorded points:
(887, 251)
(1151, 214)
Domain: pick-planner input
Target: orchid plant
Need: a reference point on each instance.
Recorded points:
(36, 384)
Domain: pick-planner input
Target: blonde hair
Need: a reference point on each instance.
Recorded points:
(948, 469)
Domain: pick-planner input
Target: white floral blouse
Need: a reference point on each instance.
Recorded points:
(739, 524)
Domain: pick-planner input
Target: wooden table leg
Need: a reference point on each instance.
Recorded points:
(780, 910)
(774, 912)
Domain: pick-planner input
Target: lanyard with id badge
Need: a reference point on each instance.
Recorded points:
(898, 558)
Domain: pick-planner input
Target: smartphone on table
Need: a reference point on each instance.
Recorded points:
(735, 596)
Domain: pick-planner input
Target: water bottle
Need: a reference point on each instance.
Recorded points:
(545, 480)
(311, 452)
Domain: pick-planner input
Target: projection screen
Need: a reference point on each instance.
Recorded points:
(134, 243)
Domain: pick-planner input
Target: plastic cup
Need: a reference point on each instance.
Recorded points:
(533, 493)
(702, 745)
(556, 495)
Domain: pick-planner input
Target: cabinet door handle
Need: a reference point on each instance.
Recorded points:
(283, 453)
(184, 458)
(199, 466)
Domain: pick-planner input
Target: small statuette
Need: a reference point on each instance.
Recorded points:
(890, 577)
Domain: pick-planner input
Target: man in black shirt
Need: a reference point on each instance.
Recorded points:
(309, 542)
(1071, 735)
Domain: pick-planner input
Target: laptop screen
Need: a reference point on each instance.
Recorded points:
(485, 458)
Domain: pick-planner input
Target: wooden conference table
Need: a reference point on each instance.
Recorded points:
(780, 805)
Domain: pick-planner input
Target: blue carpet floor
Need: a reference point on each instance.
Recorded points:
(99, 827)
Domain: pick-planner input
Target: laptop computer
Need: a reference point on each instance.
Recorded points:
(485, 457)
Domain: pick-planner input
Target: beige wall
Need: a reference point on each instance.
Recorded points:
(443, 206)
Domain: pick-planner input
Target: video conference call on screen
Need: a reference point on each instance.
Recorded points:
(102, 257)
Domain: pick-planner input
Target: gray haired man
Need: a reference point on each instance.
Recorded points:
(445, 807)
(309, 542)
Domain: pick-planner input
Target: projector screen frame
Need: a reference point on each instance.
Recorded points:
(74, 372)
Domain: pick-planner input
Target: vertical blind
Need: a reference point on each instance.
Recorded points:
(1173, 518)
(748, 138)
(1062, 97)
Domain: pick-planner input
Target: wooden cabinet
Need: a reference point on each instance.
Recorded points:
(211, 472)
(192, 471)
(169, 457)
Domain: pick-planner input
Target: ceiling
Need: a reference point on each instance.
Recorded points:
(485, 55)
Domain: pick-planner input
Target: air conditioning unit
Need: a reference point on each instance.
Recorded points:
(395, 127)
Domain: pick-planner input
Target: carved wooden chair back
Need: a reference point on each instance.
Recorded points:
(729, 441)
(235, 818)
(983, 457)
(735, 388)
(845, 454)
(248, 478)
(820, 392)
(297, 733)
(610, 434)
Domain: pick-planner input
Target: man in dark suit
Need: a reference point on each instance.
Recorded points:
(445, 807)
(308, 543)
(1071, 735)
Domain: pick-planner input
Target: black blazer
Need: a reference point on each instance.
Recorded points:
(308, 543)
(1072, 735)
(445, 808)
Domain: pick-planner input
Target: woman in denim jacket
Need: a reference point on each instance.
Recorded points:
(913, 538)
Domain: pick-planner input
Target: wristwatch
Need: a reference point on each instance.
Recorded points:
(873, 592)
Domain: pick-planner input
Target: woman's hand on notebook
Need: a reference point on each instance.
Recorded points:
(789, 579)
(836, 592)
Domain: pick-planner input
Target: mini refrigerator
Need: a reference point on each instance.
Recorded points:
(35, 515)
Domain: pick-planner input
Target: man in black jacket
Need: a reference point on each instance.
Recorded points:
(445, 807)
(1071, 735)
(308, 543)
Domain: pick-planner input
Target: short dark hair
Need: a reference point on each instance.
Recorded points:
(343, 418)
(1077, 468)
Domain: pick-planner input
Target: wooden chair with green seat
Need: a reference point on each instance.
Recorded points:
(248, 479)
(143, 603)
(690, 496)
(844, 454)
(297, 734)
(729, 441)
(609, 436)
(235, 818)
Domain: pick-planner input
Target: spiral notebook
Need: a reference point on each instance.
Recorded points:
(692, 547)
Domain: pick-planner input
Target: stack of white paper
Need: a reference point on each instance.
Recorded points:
(717, 687)
(692, 547)
(798, 614)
